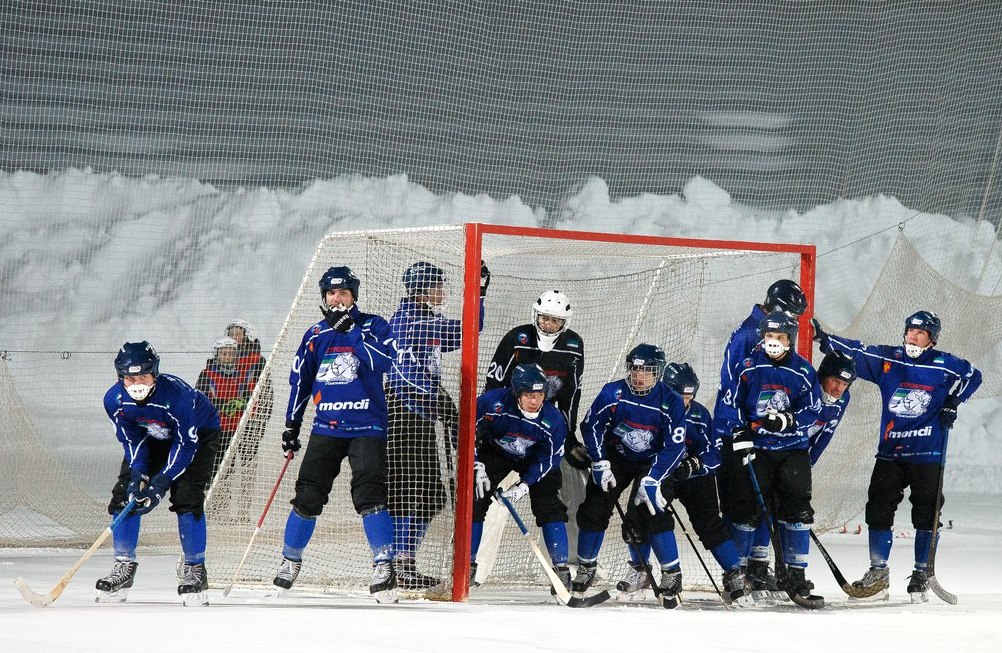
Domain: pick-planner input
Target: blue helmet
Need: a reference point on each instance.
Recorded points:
(779, 321)
(421, 276)
(528, 377)
(927, 321)
(839, 365)
(681, 378)
(136, 358)
(648, 358)
(339, 277)
(786, 295)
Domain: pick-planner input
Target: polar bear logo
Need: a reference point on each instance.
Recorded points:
(339, 369)
(909, 402)
(775, 400)
(638, 440)
(515, 445)
(157, 431)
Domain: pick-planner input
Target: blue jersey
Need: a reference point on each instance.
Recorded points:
(422, 336)
(540, 441)
(739, 347)
(700, 440)
(765, 385)
(820, 433)
(173, 413)
(913, 392)
(342, 374)
(648, 428)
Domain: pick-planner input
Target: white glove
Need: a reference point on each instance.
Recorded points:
(649, 492)
(601, 472)
(481, 483)
(516, 492)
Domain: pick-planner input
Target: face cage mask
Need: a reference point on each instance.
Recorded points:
(139, 391)
(642, 392)
(774, 348)
(914, 351)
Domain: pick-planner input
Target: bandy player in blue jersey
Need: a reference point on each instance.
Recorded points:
(339, 367)
(169, 432)
(921, 388)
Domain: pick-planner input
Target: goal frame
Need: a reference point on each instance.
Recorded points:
(469, 377)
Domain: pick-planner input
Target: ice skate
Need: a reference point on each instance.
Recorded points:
(918, 586)
(408, 577)
(635, 582)
(114, 588)
(875, 580)
(194, 585)
(384, 582)
(287, 573)
(670, 587)
(764, 588)
(564, 574)
(795, 583)
(473, 575)
(734, 589)
(585, 577)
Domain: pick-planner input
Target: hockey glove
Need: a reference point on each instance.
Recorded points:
(516, 492)
(744, 444)
(821, 337)
(137, 484)
(689, 466)
(481, 482)
(290, 438)
(601, 473)
(485, 279)
(151, 496)
(575, 454)
(948, 413)
(649, 493)
(780, 422)
(340, 319)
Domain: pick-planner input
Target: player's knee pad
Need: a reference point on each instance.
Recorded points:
(188, 497)
(591, 517)
(711, 532)
(660, 523)
(879, 517)
(368, 493)
(309, 501)
(549, 509)
(802, 516)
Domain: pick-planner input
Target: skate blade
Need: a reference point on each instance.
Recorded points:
(195, 599)
(117, 596)
(743, 601)
(386, 596)
(919, 597)
(763, 597)
(882, 595)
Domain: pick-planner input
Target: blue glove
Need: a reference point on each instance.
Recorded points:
(137, 483)
(821, 337)
(649, 492)
(948, 413)
(151, 496)
(601, 473)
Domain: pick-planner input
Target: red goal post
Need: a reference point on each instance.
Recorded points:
(471, 377)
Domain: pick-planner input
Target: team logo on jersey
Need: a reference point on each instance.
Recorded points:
(157, 430)
(338, 368)
(909, 402)
(497, 407)
(768, 400)
(634, 439)
(516, 444)
(522, 338)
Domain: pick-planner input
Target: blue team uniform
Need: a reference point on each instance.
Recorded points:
(700, 440)
(342, 374)
(174, 413)
(536, 445)
(820, 432)
(739, 347)
(913, 392)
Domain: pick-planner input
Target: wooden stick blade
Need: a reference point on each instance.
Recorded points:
(939, 591)
(34, 598)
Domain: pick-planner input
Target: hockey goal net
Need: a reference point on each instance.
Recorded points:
(686, 295)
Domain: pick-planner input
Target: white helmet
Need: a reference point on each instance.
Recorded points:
(249, 331)
(554, 304)
(224, 342)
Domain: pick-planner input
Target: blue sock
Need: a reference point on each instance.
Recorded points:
(555, 537)
(192, 532)
(796, 543)
(589, 544)
(880, 547)
(726, 555)
(379, 531)
(126, 537)
(760, 542)
(298, 531)
(665, 548)
(477, 534)
(922, 541)
(742, 535)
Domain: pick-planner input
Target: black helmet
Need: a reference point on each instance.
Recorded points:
(927, 321)
(136, 358)
(681, 378)
(339, 277)
(839, 365)
(786, 295)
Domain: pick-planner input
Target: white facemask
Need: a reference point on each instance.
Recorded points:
(138, 391)
(774, 348)
(914, 351)
(527, 414)
(827, 399)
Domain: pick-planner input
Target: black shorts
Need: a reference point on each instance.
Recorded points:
(322, 463)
